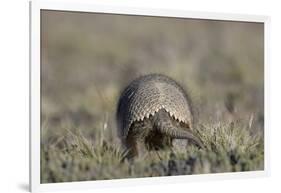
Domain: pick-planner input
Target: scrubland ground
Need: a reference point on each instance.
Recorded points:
(87, 59)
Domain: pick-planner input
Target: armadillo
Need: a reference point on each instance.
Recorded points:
(153, 110)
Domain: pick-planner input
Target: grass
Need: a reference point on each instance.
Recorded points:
(229, 148)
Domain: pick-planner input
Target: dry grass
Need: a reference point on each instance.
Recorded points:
(229, 148)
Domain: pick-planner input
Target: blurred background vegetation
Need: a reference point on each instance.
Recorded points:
(87, 59)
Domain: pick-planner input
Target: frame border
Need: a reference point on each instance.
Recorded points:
(34, 93)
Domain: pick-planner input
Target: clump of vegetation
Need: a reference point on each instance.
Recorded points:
(229, 148)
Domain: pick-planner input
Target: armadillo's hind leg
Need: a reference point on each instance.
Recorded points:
(141, 149)
(135, 147)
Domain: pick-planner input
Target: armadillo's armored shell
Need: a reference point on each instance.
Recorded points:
(147, 95)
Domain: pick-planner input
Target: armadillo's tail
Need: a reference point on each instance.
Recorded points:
(163, 124)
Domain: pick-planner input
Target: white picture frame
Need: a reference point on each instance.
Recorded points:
(37, 6)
